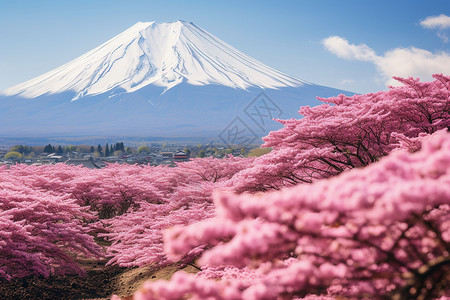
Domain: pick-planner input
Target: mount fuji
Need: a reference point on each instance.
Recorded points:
(162, 80)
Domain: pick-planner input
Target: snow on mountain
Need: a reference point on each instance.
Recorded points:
(157, 80)
(161, 54)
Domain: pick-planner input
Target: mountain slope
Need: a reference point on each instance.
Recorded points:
(157, 79)
(162, 54)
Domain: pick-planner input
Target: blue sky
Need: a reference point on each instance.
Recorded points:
(349, 44)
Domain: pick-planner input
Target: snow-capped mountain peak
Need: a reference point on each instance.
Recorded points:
(162, 54)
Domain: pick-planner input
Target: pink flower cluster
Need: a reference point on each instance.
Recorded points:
(383, 230)
(371, 222)
(50, 213)
(348, 132)
(186, 198)
(40, 233)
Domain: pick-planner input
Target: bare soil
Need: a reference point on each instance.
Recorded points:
(100, 282)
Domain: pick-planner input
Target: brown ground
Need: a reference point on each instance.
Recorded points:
(101, 282)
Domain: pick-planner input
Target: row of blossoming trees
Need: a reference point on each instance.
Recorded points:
(284, 225)
(49, 215)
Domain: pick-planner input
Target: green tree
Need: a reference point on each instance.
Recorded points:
(128, 150)
(119, 146)
(188, 151)
(92, 149)
(29, 156)
(143, 149)
(18, 148)
(59, 150)
(48, 148)
(100, 150)
(201, 153)
(22, 149)
(13, 154)
(70, 148)
(106, 150)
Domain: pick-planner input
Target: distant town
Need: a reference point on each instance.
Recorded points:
(91, 156)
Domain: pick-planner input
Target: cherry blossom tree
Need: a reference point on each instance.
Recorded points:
(214, 169)
(50, 213)
(379, 231)
(373, 219)
(129, 205)
(137, 235)
(348, 132)
(40, 233)
(184, 197)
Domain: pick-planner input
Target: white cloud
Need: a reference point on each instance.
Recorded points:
(347, 81)
(443, 37)
(404, 62)
(441, 22)
(413, 62)
(343, 49)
